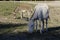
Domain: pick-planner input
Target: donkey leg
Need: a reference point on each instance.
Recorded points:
(46, 25)
(42, 26)
(36, 26)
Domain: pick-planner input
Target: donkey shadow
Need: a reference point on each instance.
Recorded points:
(52, 34)
(54, 28)
(9, 25)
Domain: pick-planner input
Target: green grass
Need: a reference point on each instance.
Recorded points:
(7, 7)
(6, 16)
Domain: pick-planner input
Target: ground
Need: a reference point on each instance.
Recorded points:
(17, 29)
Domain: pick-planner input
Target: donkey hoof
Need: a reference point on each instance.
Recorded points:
(41, 32)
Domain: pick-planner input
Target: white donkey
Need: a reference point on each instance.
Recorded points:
(41, 13)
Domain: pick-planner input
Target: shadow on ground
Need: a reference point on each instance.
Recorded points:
(8, 25)
(52, 34)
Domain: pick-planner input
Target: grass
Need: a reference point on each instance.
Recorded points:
(6, 16)
(19, 27)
